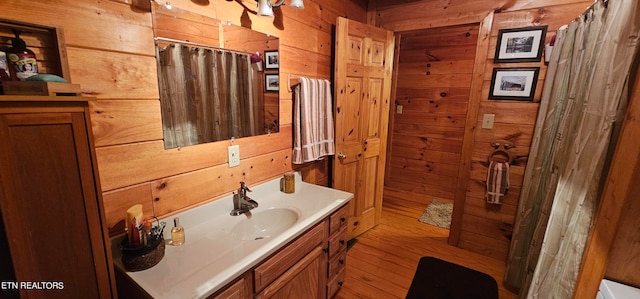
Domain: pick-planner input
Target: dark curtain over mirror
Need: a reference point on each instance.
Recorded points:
(208, 95)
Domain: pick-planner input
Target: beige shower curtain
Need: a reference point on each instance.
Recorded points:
(207, 95)
(584, 92)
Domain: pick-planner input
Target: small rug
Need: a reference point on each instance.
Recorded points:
(438, 213)
(438, 279)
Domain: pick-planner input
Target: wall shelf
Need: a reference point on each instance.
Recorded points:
(46, 42)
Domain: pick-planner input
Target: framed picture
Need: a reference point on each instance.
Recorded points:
(520, 44)
(272, 82)
(271, 60)
(514, 83)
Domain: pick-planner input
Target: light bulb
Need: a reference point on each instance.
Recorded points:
(297, 4)
(264, 8)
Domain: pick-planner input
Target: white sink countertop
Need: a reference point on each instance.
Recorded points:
(211, 257)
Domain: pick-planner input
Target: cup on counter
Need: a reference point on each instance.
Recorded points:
(288, 183)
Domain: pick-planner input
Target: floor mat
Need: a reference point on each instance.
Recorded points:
(438, 279)
(438, 213)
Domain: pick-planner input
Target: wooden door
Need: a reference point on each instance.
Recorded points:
(364, 60)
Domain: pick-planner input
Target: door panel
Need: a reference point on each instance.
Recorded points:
(355, 51)
(364, 58)
(350, 116)
(375, 94)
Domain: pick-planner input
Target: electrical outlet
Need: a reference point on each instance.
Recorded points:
(399, 109)
(487, 121)
(234, 155)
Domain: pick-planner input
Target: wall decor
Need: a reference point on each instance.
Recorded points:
(271, 60)
(272, 82)
(514, 83)
(520, 44)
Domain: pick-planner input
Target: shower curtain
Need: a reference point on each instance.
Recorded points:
(583, 97)
(207, 95)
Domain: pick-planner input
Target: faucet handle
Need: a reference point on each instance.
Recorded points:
(243, 187)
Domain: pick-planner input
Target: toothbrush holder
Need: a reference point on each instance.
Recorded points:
(138, 258)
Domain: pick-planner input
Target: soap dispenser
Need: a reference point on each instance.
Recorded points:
(177, 233)
(23, 61)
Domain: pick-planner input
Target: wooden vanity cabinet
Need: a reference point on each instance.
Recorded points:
(50, 199)
(310, 267)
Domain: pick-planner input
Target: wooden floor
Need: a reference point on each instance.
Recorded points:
(382, 262)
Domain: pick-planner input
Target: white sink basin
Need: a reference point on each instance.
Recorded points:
(265, 224)
(220, 247)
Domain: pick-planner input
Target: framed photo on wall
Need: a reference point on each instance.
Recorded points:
(520, 44)
(271, 60)
(514, 83)
(272, 82)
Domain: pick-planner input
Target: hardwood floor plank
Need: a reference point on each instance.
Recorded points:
(381, 264)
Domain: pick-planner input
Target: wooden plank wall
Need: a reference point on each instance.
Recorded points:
(433, 86)
(111, 55)
(482, 228)
(623, 262)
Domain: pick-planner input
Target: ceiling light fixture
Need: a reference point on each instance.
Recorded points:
(265, 7)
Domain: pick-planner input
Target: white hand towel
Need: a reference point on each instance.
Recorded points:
(313, 136)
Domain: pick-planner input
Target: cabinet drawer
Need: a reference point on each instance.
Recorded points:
(338, 220)
(335, 284)
(337, 263)
(238, 290)
(338, 242)
(275, 266)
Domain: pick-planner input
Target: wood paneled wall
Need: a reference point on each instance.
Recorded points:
(111, 55)
(478, 226)
(621, 196)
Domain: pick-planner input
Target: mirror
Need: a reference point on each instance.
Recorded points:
(216, 81)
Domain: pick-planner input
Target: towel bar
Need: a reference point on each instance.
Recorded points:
(292, 82)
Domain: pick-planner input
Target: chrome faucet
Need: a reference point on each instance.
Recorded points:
(241, 202)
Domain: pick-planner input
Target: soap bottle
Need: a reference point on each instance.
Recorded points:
(4, 69)
(177, 233)
(146, 232)
(23, 61)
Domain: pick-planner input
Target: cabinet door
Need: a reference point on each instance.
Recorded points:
(277, 265)
(49, 205)
(306, 279)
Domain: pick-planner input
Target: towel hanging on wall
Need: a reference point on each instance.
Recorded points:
(313, 136)
(497, 181)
